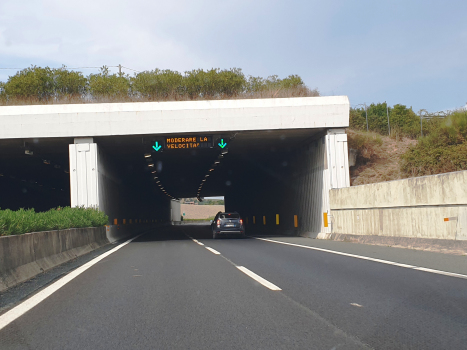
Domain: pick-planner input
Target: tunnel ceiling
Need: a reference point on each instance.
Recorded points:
(180, 171)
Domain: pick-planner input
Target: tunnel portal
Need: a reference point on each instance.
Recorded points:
(274, 160)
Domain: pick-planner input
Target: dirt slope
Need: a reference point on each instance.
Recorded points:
(383, 164)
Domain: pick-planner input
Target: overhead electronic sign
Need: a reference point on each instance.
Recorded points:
(188, 142)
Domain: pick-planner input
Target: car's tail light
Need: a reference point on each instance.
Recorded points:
(218, 223)
(241, 221)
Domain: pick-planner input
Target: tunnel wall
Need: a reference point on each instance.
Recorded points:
(298, 194)
(95, 181)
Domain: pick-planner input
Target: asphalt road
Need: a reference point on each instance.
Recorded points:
(165, 291)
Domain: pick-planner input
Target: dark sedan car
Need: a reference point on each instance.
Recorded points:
(227, 224)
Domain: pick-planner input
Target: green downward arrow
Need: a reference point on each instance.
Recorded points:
(157, 147)
(222, 144)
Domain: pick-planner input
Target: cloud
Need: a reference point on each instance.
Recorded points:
(370, 51)
(95, 33)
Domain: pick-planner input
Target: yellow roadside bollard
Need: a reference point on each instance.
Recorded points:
(254, 220)
(295, 220)
(325, 217)
(277, 219)
(264, 220)
(124, 221)
(115, 221)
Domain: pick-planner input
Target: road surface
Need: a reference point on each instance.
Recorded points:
(167, 290)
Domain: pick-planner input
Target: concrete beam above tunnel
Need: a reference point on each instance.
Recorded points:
(140, 118)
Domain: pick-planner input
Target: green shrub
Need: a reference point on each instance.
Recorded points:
(24, 221)
(32, 81)
(366, 144)
(213, 83)
(108, 85)
(157, 83)
(443, 150)
(69, 83)
(47, 85)
(402, 120)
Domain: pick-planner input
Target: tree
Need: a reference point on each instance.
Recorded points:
(31, 82)
(157, 83)
(105, 84)
(69, 83)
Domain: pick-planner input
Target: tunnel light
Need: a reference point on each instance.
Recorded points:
(66, 171)
(147, 155)
(28, 152)
(151, 165)
(157, 182)
(154, 171)
(46, 161)
(217, 162)
(204, 180)
(211, 169)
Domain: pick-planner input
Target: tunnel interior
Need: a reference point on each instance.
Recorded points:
(259, 173)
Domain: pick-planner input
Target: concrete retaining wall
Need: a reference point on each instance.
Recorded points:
(433, 207)
(24, 256)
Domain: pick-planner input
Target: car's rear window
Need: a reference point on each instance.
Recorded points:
(229, 216)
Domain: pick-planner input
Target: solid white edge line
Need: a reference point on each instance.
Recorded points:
(212, 250)
(439, 272)
(28, 304)
(257, 278)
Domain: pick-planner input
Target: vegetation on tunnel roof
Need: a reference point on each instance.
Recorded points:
(38, 85)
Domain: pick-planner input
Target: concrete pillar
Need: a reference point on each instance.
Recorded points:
(336, 173)
(175, 211)
(84, 182)
(338, 158)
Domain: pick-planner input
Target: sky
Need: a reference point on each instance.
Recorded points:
(409, 52)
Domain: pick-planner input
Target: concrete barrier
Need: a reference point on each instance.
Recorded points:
(428, 207)
(24, 256)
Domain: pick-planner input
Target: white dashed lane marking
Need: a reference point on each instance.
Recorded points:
(212, 250)
(257, 278)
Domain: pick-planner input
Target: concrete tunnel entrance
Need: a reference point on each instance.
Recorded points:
(275, 171)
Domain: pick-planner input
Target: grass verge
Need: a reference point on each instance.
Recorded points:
(27, 220)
